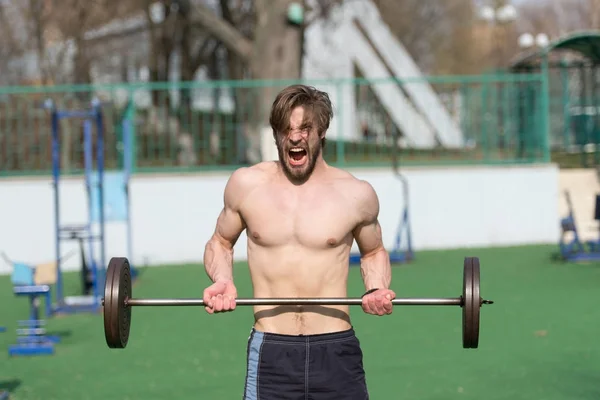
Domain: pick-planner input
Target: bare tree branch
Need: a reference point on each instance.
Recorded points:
(222, 30)
(202, 55)
(7, 32)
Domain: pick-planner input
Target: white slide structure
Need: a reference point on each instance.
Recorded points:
(414, 108)
(404, 67)
(416, 130)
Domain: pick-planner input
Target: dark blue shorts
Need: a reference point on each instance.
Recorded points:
(305, 367)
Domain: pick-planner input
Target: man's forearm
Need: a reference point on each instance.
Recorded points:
(376, 270)
(218, 261)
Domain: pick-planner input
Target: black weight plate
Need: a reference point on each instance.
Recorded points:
(471, 303)
(466, 302)
(110, 329)
(476, 303)
(116, 314)
(125, 311)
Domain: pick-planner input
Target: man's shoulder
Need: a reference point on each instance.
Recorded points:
(349, 181)
(253, 174)
(359, 193)
(244, 181)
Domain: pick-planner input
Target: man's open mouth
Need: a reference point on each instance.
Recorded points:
(297, 155)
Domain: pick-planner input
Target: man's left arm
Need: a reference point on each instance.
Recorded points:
(375, 265)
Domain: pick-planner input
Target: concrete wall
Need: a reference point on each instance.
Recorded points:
(173, 216)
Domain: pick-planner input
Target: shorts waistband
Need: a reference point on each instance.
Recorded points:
(314, 338)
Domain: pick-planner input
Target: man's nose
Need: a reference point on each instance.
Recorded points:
(295, 137)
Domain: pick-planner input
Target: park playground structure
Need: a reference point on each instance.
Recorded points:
(572, 247)
(571, 65)
(107, 199)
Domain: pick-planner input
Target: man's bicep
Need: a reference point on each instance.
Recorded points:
(230, 223)
(230, 226)
(368, 231)
(368, 237)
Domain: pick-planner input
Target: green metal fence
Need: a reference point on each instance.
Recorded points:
(574, 113)
(195, 126)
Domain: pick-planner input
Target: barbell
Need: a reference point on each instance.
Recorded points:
(118, 300)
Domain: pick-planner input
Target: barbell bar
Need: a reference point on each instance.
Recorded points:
(293, 301)
(118, 300)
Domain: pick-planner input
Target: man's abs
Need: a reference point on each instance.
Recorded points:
(299, 272)
(302, 320)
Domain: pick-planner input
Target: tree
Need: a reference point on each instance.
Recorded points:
(435, 33)
(559, 17)
(47, 30)
(10, 45)
(253, 38)
(271, 52)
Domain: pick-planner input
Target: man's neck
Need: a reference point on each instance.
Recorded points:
(317, 172)
(320, 166)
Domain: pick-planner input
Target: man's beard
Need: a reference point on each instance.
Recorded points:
(300, 174)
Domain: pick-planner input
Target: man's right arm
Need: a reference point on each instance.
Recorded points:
(218, 253)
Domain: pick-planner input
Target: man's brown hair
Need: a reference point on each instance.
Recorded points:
(316, 104)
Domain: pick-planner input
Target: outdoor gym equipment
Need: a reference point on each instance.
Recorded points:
(107, 197)
(33, 282)
(118, 300)
(575, 250)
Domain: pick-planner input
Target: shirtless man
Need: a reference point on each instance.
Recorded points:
(301, 217)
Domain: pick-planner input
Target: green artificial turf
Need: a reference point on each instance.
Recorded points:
(540, 340)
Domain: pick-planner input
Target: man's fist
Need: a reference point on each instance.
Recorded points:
(378, 302)
(219, 297)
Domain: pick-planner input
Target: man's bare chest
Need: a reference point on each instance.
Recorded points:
(314, 220)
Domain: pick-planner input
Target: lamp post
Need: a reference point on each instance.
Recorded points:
(527, 40)
(498, 15)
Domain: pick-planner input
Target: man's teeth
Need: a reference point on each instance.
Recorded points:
(296, 150)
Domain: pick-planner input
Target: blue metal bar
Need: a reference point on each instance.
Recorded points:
(127, 166)
(88, 156)
(100, 161)
(76, 114)
(55, 181)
